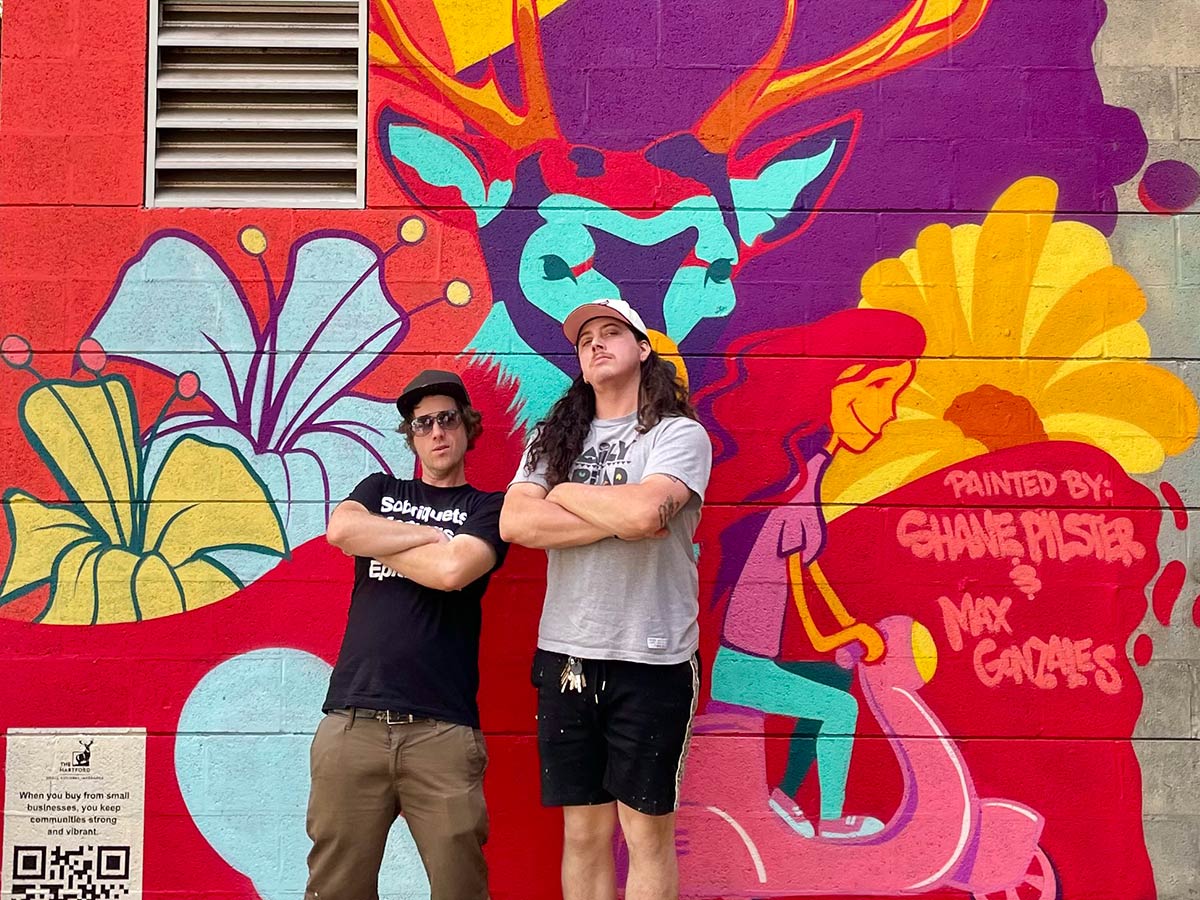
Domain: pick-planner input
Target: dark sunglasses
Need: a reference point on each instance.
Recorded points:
(448, 419)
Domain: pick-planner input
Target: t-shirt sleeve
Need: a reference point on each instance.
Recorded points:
(537, 476)
(483, 522)
(369, 491)
(682, 450)
(795, 524)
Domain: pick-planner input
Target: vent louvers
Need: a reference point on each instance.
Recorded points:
(257, 103)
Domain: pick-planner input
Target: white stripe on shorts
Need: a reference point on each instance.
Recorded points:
(687, 736)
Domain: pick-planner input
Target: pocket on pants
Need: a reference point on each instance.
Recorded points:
(466, 808)
(546, 668)
(326, 744)
(476, 750)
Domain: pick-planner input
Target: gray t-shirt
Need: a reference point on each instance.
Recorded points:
(630, 600)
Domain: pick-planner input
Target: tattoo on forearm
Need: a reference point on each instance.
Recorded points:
(666, 511)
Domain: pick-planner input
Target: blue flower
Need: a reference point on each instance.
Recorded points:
(280, 394)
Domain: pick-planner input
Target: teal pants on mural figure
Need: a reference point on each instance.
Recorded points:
(815, 693)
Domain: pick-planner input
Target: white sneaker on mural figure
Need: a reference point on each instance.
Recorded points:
(792, 815)
(849, 827)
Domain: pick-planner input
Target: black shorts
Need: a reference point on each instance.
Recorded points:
(623, 738)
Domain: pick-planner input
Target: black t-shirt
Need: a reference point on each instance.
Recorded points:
(410, 648)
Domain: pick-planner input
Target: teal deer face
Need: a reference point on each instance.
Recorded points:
(668, 227)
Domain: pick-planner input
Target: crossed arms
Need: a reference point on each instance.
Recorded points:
(572, 515)
(421, 553)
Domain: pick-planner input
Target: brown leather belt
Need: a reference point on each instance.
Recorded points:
(387, 716)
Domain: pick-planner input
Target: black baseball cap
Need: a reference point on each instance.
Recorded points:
(431, 381)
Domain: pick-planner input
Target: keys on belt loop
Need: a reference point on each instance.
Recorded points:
(572, 677)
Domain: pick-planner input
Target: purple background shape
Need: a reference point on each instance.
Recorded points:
(940, 141)
(1170, 185)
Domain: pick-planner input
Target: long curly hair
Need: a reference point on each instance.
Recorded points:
(559, 437)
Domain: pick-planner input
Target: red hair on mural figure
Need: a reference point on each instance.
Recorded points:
(777, 394)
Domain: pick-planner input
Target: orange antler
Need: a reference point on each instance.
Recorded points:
(482, 103)
(924, 29)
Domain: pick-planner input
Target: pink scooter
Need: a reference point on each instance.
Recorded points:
(942, 836)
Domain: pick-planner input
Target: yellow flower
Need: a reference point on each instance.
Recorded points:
(1032, 334)
(117, 552)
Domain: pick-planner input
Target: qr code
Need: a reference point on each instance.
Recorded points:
(70, 873)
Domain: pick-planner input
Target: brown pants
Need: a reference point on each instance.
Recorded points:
(365, 773)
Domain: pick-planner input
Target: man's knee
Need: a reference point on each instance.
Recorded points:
(456, 868)
(588, 830)
(648, 837)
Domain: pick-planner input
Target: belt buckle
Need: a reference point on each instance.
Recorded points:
(400, 718)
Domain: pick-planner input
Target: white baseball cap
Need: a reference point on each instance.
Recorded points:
(615, 309)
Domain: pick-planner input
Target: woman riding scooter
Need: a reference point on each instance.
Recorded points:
(803, 409)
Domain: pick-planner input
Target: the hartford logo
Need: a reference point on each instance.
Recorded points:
(78, 760)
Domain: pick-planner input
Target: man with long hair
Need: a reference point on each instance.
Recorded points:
(401, 730)
(611, 487)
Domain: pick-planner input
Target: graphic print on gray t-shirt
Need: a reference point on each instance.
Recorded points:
(631, 600)
(604, 463)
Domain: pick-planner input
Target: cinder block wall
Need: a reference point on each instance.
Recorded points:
(1148, 63)
(936, 303)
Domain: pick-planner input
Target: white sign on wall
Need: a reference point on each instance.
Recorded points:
(74, 813)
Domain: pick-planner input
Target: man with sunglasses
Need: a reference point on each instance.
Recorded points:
(401, 730)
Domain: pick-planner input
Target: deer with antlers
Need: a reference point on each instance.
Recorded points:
(549, 213)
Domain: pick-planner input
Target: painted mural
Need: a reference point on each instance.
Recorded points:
(874, 238)
(995, 490)
(123, 551)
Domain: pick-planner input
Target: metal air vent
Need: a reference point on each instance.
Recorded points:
(257, 103)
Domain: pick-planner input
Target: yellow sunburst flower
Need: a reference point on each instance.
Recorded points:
(1032, 334)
